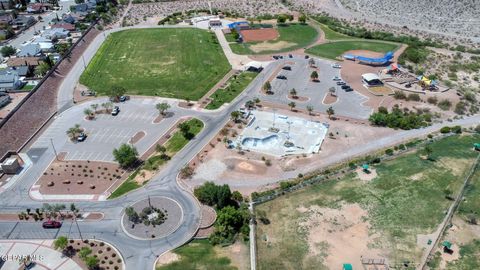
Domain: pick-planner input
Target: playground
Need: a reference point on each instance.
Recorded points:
(280, 135)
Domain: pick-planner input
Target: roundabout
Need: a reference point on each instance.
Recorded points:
(154, 217)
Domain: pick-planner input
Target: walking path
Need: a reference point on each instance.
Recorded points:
(237, 61)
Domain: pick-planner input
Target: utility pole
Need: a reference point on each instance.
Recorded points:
(78, 227)
(54, 150)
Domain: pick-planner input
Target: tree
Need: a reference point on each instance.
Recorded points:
(302, 18)
(293, 93)
(60, 243)
(292, 105)
(91, 262)
(84, 252)
(42, 69)
(74, 131)
(237, 196)
(332, 90)
(250, 104)
(214, 195)
(267, 87)
(230, 221)
(126, 155)
(132, 214)
(162, 107)
(235, 115)
(161, 149)
(115, 92)
(94, 107)
(185, 129)
(107, 106)
(281, 19)
(428, 151)
(88, 113)
(311, 62)
(314, 76)
(330, 112)
(310, 109)
(8, 51)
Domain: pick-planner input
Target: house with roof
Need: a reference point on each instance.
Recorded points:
(45, 44)
(66, 26)
(10, 82)
(38, 7)
(29, 61)
(68, 18)
(6, 4)
(55, 33)
(83, 7)
(22, 71)
(6, 18)
(4, 99)
(23, 22)
(30, 50)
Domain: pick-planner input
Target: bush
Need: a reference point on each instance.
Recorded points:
(456, 129)
(460, 108)
(389, 151)
(214, 195)
(432, 100)
(400, 119)
(399, 95)
(414, 97)
(126, 155)
(445, 130)
(402, 147)
(445, 104)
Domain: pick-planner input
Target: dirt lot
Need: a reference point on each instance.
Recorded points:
(255, 35)
(16, 98)
(80, 177)
(109, 259)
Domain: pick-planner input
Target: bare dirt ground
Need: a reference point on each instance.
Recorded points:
(167, 258)
(340, 235)
(263, 34)
(366, 176)
(16, 99)
(238, 253)
(108, 257)
(329, 99)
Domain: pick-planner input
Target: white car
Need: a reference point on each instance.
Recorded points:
(336, 66)
(336, 78)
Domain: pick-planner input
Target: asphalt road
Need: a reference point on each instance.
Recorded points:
(138, 254)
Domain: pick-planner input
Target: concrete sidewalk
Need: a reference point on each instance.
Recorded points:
(41, 251)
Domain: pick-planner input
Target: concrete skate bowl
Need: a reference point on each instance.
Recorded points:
(261, 143)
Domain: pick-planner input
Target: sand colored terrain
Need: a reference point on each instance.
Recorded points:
(343, 232)
(364, 176)
(268, 46)
(255, 35)
(167, 258)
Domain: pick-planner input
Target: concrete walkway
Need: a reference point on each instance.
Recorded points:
(237, 61)
(41, 253)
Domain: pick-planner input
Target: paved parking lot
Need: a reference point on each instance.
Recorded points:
(348, 103)
(106, 132)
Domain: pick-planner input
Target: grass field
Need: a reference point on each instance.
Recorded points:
(405, 199)
(198, 254)
(332, 35)
(292, 36)
(173, 145)
(333, 50)
(177, 63)
(235, 86)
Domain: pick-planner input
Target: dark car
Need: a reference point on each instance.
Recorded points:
(82, 137)
(275, 57)
(341, 83)
(306, 56)
(51, 224)
(349, 89)
(345, 86)
(290, 56)
(287, 68)
(281, 77)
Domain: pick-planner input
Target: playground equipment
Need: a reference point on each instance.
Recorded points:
(369, 60)
(347, 266)
(476, 146)
(366, 168)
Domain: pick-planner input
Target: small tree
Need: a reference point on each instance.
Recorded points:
(74, 131)
(281, 19)
(115, 92)
(311, 62)
(88, 113)
(132, 214)
(267, 87)
(84, 252)
(94, 107)
(302, 19)
(161, 149)
(92, 262)
(8, 51)
(428, 151)
(162, 107)
(314, 76)
(292, 105)
(330, 112)
(185, 129)
(126, 155)
(293, 93)
(235, 115)
(60, 243)
(107, 106)
(42, 69)
(332, 90)
(250, 104)
(310, 109)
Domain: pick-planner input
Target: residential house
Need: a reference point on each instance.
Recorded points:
(6, 4)
(10, 82)
(66, 26)
(38, 7)
(45, 44)
(22, 71)
(23, 22)
(68, 18)
(55, 33)
(83, 7)
(30, 62)
(6, 18)
(4, 99)
(30, 50)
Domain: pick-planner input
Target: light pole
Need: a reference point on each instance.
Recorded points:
(54, 150)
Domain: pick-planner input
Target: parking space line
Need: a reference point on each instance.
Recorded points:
(90, 155)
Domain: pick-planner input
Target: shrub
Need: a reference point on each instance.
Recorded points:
(456, 129)
(445, 104)
(432, 100)
(414, 97)
(399, 95)
(389, 151)
(445, 130)
(460, 108)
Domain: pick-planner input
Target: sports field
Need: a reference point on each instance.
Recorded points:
(376, 215)
(333, 50)
(178, 63)
(292, 36)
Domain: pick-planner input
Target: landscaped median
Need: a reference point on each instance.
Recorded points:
(234, 86)
(185, 132)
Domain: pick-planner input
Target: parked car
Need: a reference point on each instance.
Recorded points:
(290, 56)
(115, 111)
(349, 89)
(281, 77)
(124, 98)
(345, 86)
(341, 83)
(306, 56)
(276, 57)
(82, 137)
(336, 66)
(51, 224)
(287, 68)
(336, 78)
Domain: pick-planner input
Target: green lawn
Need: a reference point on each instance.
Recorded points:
(234, 88)
(297, 35)
(332, 35)
(28, 87)
(198, 254)
(333, 50)
(177, 63)
(405, 199)
(173, 145)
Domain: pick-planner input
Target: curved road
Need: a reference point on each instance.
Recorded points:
(141, 254)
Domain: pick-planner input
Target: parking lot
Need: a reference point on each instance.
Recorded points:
(105, 132)
(348, 103)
